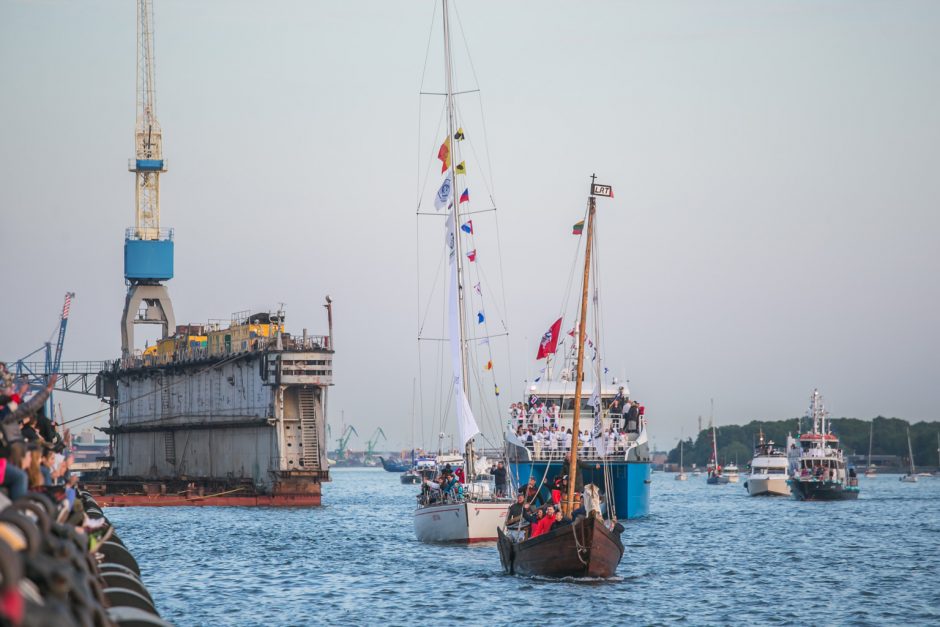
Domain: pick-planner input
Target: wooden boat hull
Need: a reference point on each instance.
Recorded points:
(586, 548)
(814, 490)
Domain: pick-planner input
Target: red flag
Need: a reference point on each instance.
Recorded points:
(444, 155)
(549, 341)
(472, 255)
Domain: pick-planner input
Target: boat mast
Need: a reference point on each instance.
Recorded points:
(579, 374)
(871, 434)
(455, 216)
(910, 451)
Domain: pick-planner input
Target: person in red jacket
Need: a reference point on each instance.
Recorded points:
(544, 524)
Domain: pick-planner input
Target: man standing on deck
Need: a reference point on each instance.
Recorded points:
(499, 477)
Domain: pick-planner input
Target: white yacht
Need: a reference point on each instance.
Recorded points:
(768, 470)
(731, 471)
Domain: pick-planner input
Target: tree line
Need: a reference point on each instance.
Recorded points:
(736, 442)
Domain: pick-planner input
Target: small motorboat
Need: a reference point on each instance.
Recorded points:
(395, 465)
(410, 476)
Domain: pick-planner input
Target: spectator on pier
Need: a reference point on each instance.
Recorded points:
(567, 440)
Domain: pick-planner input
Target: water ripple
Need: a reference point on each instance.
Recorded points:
(706, 555)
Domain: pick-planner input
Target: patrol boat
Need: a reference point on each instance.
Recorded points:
(819, 468)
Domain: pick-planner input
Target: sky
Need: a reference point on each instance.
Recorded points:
(774, 226)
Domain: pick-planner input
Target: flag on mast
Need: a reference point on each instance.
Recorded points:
(467, 227)
(461, 167)
(597, 431)
(549, 341)
(465, 196)
(459, 134)
(472, 255)
(443, 194)
(577, 228)
(444, 155)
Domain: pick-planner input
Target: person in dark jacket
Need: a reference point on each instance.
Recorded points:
(515, 511)
(499, 478)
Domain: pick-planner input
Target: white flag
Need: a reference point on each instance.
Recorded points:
(597, 433)
(443, 194)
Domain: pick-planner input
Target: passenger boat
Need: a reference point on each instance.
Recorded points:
(715, 475)
(681, 476)
(471, 512)
(768, 475)
(588, 546)
(910, 477)
(820, 472)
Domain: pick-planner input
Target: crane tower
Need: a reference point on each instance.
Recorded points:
(148, 249)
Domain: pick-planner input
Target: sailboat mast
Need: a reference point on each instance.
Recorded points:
(871, 435)
(455, 216)
(582, 327)
(910, 451)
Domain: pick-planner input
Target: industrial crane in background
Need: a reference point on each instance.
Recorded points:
(38, 377)
(369, 458)
(148, 249)
(343, 440)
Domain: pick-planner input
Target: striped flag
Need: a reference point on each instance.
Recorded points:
(577, 228)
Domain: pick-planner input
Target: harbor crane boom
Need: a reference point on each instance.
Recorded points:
(370, 445)
(343, 440)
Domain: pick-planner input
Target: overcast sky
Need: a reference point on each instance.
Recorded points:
(775, 225)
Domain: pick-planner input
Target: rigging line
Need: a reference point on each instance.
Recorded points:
(428, 213)
(156, 390)
(427, 309)
(502, 289)
(469, 339)
(456, 93)
(485, 173)
(473, 71)
(475, 211)
(427, 173)
(427, 48)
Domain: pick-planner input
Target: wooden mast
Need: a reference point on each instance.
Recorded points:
(582, 327)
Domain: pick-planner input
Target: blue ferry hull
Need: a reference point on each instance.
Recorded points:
(630, 480)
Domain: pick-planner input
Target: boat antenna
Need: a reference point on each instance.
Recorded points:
(579, 374)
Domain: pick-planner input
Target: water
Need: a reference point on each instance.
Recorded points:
(705, 555)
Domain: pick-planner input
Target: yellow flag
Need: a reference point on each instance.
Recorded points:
(461, 168)
(459, 134)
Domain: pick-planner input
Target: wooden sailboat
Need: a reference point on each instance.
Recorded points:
(467, 512)
(589, 546)
(681, 476)
(910, 477)
(870, 471)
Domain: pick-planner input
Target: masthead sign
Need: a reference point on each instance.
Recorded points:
(602, 190)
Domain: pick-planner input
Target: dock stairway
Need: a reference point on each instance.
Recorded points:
(308, 429)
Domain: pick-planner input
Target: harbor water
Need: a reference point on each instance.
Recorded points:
(705, 555)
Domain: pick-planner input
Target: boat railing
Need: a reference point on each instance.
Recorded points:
(585, 454)
(202, 353)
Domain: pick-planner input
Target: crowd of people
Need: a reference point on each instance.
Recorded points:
(533, 515)
(538, 425)
(52, 537)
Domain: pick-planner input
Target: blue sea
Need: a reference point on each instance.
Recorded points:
(707, 555)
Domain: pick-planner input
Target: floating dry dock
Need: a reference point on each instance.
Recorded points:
(219, 415)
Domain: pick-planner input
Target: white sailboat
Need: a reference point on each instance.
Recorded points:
(470, 512)
(870, 471)
(681, 476)
(910, 477)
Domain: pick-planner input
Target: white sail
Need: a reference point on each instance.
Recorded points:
(466, 423)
